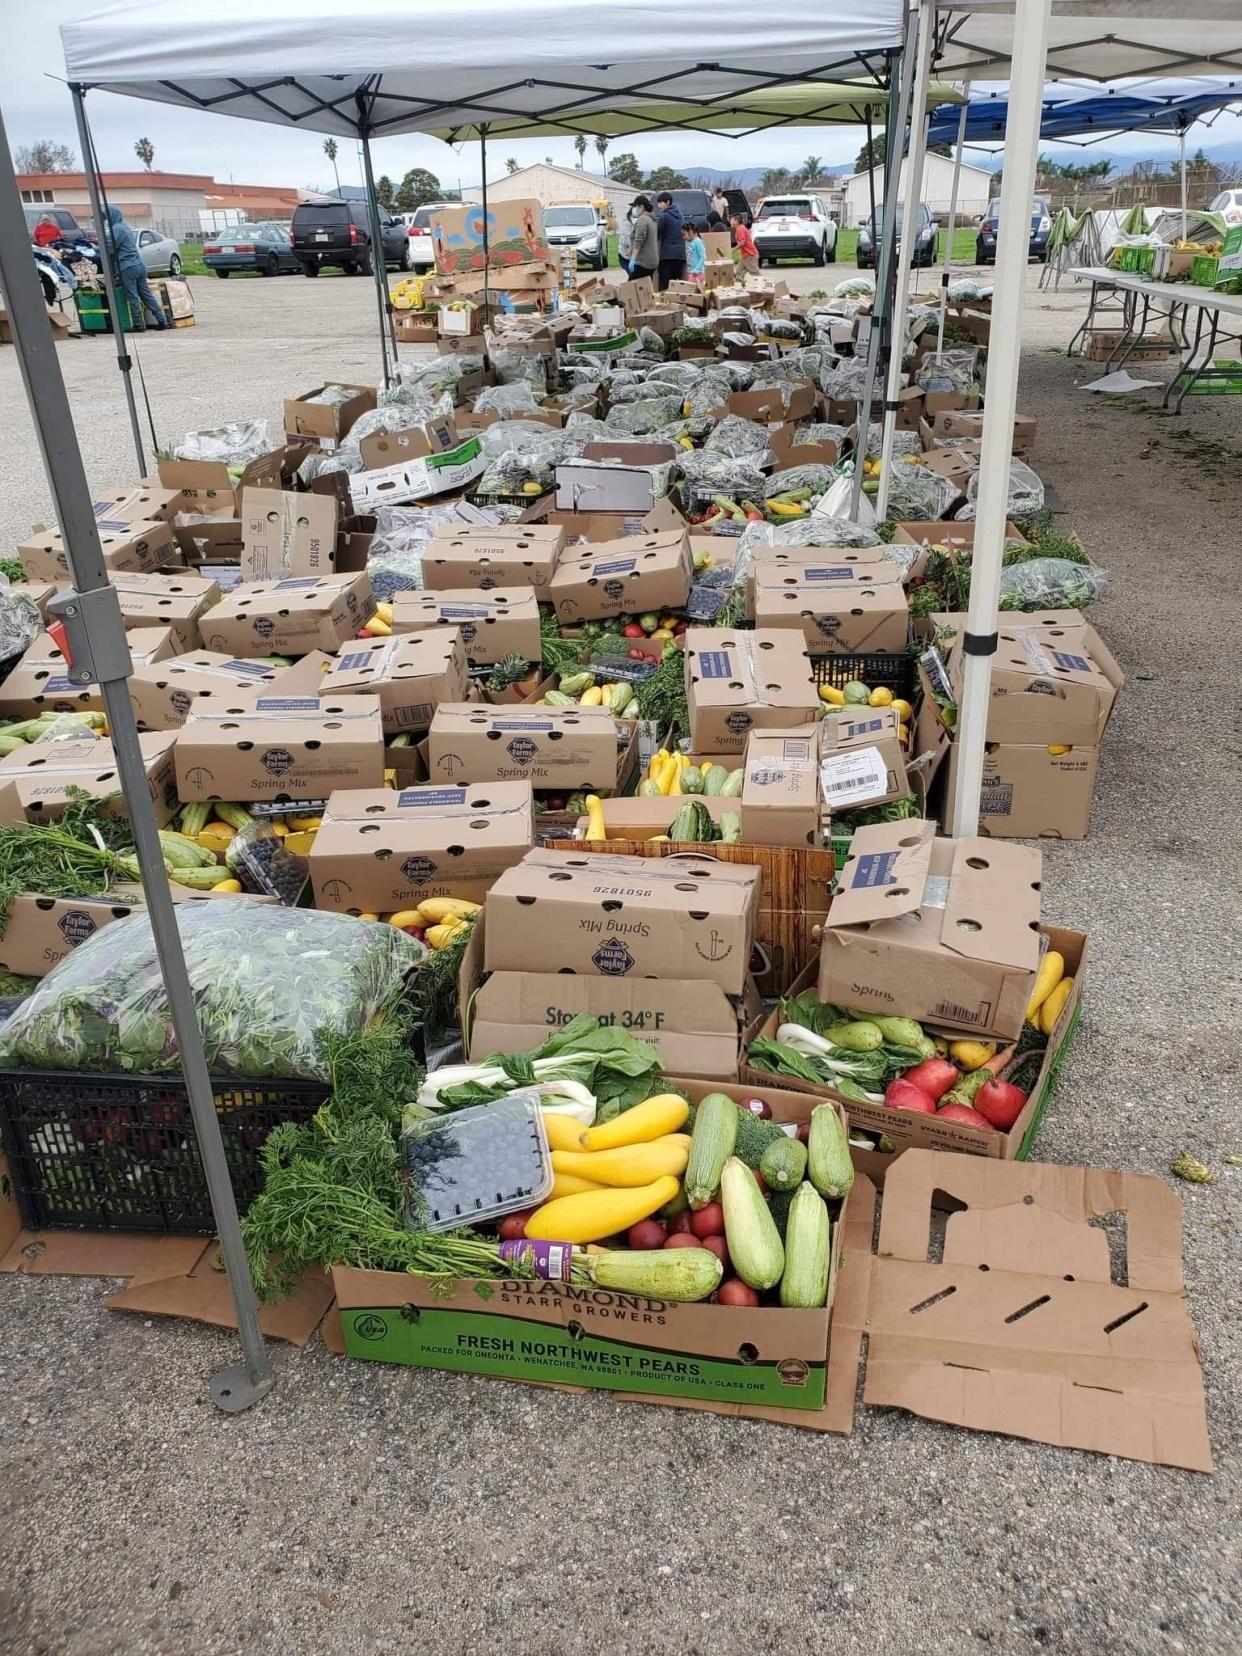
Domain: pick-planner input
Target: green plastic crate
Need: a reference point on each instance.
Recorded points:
(92, 309)
(1203, 271)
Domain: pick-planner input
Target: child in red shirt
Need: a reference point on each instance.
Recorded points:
(745, 244)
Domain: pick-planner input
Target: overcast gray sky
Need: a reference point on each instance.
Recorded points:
(255, 153)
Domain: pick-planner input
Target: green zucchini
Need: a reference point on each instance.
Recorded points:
(754, 1243)
(647, 789)
(730, 828)
(715, 779)
(661, 1273)
(828, 1164)
(711, 1145)
(691, 780)
(193, 818)
(732, 787)
(237, 816)
(684, 827)
(804, 1283)
(855, 1036)
(783, 1163)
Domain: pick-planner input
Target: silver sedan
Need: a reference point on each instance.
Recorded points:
(160, 254)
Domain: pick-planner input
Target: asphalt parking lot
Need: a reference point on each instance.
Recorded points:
(367, 1509)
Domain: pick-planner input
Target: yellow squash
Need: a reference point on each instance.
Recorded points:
(594, 1214)
(629, 1164)
(666, 1113)
(1052, 1008)
(437, 909)
(1051, 971)
(564, 1131)
(569, 1184)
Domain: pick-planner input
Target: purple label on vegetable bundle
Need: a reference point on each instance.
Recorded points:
(549, 1261)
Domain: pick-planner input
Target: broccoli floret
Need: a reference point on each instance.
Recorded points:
(754, 1134)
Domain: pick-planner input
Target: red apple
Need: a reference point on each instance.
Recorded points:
(1000, 1103)
(902, 1095)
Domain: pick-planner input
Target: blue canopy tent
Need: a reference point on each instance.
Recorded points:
(1071, 112)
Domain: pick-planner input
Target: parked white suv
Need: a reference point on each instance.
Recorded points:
(795, 227)
(418, 223)
(578, 226)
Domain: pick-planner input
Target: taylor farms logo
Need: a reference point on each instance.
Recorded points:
(612, 958)
(418, 869)
(522, 750)
(615, 589)
(276, 761)
(180, 702)
(75, 928)
(739, 721)
(469, 631)
(263, 626)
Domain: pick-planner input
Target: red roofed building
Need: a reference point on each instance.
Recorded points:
(173, 203)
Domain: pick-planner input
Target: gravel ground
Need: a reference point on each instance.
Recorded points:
(364, 1509)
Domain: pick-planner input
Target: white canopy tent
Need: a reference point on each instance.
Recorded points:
(382, 67)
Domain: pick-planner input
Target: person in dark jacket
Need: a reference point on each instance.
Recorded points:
(672, 228)
(132, 275)
(644, 240)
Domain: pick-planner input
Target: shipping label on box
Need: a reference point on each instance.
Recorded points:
(137, 547)
(624, 917)
(741, 681)
(410, 676)
(861, 759)
(571, 749)
(488, 556)
(381, 852)
(780, 789)
(834, 615)
(291, 616)
(287, 534)
(273, 747)
(37, 782)
(627, 576)
(492, 624)
(944, 931)
(176, 601)
(163, 693)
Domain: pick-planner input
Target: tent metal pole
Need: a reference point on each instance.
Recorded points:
(1004, 359)
(948, 245)
(894, 126)
(487, 244)
(98, 653)
(379, 268)
(911, 197)
(1181, 159)
(123, 358)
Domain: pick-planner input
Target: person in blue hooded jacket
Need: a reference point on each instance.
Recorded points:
(672, 230)
(132, 275)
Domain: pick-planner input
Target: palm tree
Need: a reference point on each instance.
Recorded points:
(811, 168)
(580, 144)
(602, 142)
(511, 165)
(330, 150)
(144, 149)
(774, 180)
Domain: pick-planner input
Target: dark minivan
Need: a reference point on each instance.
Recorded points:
(696, 205)
(339, 233)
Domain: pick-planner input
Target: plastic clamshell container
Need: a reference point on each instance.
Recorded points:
(475, 1165)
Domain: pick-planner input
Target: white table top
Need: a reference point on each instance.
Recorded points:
(1171, 293)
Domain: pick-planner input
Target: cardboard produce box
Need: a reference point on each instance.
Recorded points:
(1027, 792)
(615, 477)
(383, 851)
(327, 421)
(861, 759)
(741, 681)
(287, 534)
(949, 424)
(569, 749)
(272, 747)
(909, 1130)
(488, 556)
(40, 594)
(209, 486)
(513, 236)
(163, 693)
(780, 787)
(40, 931)
(148, 503)
(415, 464)
(631, 575)
(40, 682)
(694, 1026)
(139, 548)
(36, 782)
(1050, 683)
(176, 601)
(565, 1333)
(844, 616)
(409, 676)
(624, 916)
(945, 931)
(492, 624)
(289, 617)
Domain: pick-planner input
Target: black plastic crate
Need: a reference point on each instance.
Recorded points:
(112, 1152)
(893, 669)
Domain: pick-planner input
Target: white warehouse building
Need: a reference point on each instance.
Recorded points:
(974, 190)
(555, 187)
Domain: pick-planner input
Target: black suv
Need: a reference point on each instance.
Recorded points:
(339, 233)
(696, 205)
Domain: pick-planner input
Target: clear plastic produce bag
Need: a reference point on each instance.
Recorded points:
(1050, 583)
(821, 431)
(20, 621)
(812, 477)
(640, 419)
(1024, 499)
(950, 371)
(917, 494)
(587, 428)
(817, 531)
(855, 287)
(707, 472)
(848, 380)
(332, 396)
(316, 464)
(516, 397)
(741, 437)
(965, 291)
(236, 444)
(265, 981)
(904, 442)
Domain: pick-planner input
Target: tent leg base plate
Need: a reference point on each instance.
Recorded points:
(235, 1389)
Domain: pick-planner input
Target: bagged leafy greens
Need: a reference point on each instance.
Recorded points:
(265, 982)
